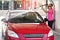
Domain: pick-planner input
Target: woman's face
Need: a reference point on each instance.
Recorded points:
(49, 6)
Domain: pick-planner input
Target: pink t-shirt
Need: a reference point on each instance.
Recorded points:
(50, 14)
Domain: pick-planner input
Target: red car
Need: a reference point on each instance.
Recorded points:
(28, 26)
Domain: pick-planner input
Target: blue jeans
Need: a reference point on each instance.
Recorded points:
(50, 23)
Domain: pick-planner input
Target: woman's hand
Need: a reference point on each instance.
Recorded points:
(41, 5)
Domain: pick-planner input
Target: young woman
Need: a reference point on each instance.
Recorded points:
(49, 14)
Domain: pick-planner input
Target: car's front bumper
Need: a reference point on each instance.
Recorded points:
(22, 38)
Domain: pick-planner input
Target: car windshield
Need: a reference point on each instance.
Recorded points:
(29, 17)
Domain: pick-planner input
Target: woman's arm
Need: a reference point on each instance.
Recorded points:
(45, 10)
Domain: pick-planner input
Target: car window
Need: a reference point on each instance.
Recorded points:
(29, 17)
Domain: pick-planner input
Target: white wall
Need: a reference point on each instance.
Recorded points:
(57, 13)
(3, 12)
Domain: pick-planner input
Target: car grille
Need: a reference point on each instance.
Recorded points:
(33, 35)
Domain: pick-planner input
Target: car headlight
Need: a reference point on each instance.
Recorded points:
(50, 33)
(12, 34)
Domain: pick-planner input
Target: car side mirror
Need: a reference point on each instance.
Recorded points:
(4, 20)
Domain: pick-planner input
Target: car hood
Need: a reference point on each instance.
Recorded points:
(25, 28)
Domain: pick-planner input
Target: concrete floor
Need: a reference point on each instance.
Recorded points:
(56, 36)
